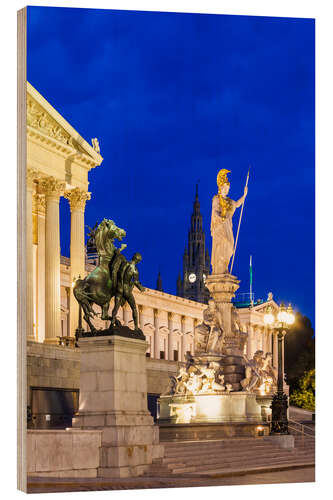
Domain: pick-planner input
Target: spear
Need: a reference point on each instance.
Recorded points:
(239, 223)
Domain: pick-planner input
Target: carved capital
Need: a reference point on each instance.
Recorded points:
(51, 187)
(77, 198)
(32, 176)
(38, 204)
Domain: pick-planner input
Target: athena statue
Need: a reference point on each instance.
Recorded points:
(223, 209)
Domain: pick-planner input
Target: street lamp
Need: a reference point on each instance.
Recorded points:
(280, 323)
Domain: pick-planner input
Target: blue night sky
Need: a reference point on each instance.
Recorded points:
(173, 98)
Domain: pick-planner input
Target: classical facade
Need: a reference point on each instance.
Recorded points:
(196, 260)
(58, 162)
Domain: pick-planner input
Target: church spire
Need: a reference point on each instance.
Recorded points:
(196, 204)
(196, 263)
(159, 286)
(179, 285)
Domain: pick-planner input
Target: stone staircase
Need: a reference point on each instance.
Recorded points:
(231, 456)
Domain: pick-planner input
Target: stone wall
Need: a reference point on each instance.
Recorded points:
(158, 373)
(59, 368)
(52, 366)
(63, 453)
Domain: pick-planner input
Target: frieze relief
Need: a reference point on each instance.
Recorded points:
(40, 120)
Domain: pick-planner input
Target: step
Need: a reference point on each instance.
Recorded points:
(222, 452)
(205, 459)
(218, 473)
(240, 465)
(221, 448)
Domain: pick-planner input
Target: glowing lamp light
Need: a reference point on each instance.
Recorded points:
(282, 314)
(291, 315)
(269, 317)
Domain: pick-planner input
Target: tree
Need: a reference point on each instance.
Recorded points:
(299, 351)
(304, 395)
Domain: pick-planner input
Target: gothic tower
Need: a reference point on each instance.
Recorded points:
(196, 260)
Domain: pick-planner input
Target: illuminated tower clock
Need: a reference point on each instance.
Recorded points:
(196, 260)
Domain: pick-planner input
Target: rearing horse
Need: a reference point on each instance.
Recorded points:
(97, 287)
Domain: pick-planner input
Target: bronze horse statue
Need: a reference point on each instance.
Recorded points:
(113, 277)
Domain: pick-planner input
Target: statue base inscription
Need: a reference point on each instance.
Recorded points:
(113, 398)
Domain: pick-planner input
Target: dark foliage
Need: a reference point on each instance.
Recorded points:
(299, 351)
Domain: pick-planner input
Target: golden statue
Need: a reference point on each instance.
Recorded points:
(223, 209)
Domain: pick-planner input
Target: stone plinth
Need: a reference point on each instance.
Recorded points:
(222, 288)
(113, 398)
(209, 416)
(204, 408)
(265, 402)
(211, 431)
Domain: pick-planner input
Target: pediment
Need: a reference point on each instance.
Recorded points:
(44, 119)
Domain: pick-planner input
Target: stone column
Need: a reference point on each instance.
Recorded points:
(170, 336)
(141, 322)
(40, 211)
(250, 341)
(31, 177)
(68, 302)
(52, 188)
(127, 315)
(182, 340)
(77, 200)
(156, 335)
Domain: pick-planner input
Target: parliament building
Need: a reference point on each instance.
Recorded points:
(59, 161)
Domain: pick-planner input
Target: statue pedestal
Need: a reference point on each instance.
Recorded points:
(222, 288)
(113, 398)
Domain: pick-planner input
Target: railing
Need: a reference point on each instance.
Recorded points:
(303, 430)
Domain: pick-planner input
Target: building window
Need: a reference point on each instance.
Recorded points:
(147, 354)
(175, 355)
(162, 355)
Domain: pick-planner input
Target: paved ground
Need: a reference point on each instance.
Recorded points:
(43, 485)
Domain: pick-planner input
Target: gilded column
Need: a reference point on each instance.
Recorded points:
(77, 200)
(156, 335)
(52, 188)
(31, 177)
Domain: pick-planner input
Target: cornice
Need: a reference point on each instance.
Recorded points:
(46, 125)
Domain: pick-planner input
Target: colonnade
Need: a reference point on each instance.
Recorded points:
(43, 240)
(169, 335)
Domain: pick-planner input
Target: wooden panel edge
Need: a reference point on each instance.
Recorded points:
(21, 251)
